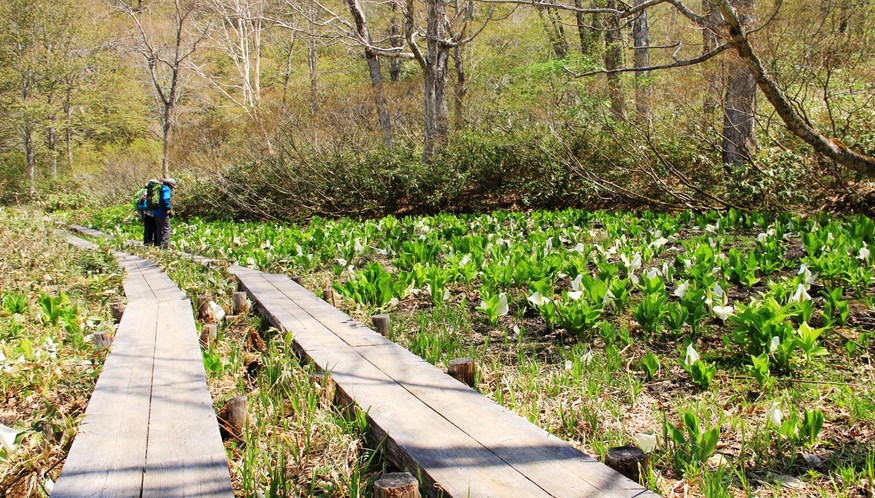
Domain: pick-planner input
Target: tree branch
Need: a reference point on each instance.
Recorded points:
(687, 62)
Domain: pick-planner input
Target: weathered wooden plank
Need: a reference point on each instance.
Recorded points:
(354, 333)
(417, 437)
(90, 232)
(145, 280)
(108, 455)
(185, 456)
(76, 241)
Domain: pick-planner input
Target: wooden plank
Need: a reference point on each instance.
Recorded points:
(145, 280)
(76, 241)
(418, 438)
(90, 232)
(108, 455)
(185, 455)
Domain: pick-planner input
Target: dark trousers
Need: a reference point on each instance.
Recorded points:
(150, 231)
(162, 236)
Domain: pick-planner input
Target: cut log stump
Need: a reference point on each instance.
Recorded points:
(240, 304)
(381, 323)
(328, 295)
(209, 333)
(462, 369)
(396, 485)
(101, 340)
(117, 309)
(232, 417)
(627, 460)
(204, 311)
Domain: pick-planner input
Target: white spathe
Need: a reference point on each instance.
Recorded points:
(691, 357)
(774, 414)
(647, 442)
(7, 438)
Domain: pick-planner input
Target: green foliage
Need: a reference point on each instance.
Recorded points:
(650, 364)
(650, 311)
(690, 443)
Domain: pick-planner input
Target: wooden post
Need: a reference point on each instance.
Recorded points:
(462, 369)
(239, 304)
(209, 333)
(117, 309)
(627, 460)
(328, 295)
(298, 280)
(381, 323)
(204, 312)
(232, 417)
(101, 340)
(396, 485)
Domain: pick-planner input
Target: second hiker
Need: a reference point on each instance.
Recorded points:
(163, 213)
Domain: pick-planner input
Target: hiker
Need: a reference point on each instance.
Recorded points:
(144, 205)
(163, 213)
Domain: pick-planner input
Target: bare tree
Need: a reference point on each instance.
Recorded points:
(165, 50)
(443, 32)
(239, 33)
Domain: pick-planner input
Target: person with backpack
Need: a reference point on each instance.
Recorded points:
(163, 212)
(145, 201)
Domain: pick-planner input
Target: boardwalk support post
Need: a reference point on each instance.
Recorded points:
(396, 485)
(117, 309)
(328, 295)
(101, 340)
(381, 323)
(240, 304)
(209, 333)
(462, 369)
(298, 280)
(232, 417)
(627, 460)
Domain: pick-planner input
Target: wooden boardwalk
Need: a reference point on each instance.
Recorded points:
(461, 443)
(150, 428)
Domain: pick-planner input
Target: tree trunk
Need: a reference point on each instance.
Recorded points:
(435, 79)
(311, 65)
(374, 70)
(641, 36)
(460, 89)
(712, 76)
(166, 133)
(53, 149)
(614, 60)
(589, 35)
(30, 155)
(396, 41)
(68, 131)
(738, 108)
(555, 31)
(738, 115)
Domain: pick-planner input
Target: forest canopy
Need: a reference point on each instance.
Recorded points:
(291, 108)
